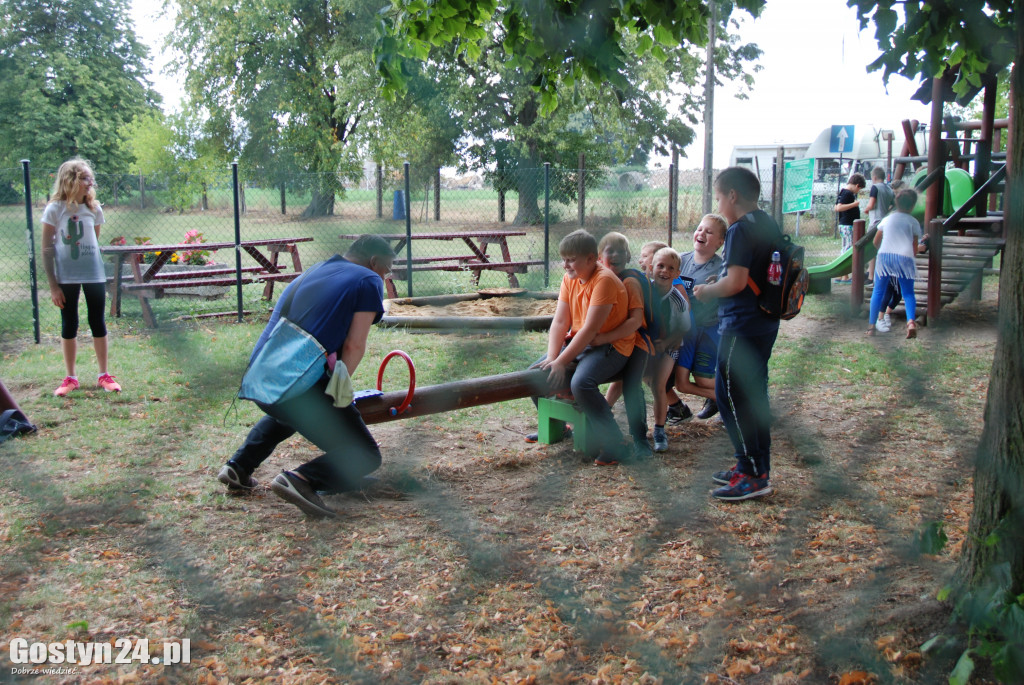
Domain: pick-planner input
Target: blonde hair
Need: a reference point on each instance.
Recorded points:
(579, 243)
(654, 245)
(717, 219)
(667, 252)
(65, 186)
(614, 239)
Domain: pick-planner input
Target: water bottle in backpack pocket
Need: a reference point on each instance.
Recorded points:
(781, 289)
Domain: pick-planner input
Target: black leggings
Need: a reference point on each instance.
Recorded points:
(95, 300)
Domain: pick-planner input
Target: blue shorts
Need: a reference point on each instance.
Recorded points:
(699, 352)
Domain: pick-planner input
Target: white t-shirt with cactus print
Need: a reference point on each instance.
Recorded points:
(78, 258)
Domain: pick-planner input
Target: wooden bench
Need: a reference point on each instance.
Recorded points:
(202, 273)
(286, 276)
(159, 284)
(398, 271)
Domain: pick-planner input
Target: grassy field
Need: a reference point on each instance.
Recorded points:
(479, 558)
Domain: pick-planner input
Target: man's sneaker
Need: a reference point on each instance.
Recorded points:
(709, 409)
(108, 383)
(606, 459)
(235, 479)
(291, 488)
(677, 413)
(66, 386)
(534, 437)
(660, 440)
(723, 477)
(743, 487)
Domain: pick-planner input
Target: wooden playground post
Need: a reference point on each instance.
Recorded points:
(857, 284)
(933, 200)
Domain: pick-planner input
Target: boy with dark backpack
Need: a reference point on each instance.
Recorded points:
(747, 333)
(613, 251)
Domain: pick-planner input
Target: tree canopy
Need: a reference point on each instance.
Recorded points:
(557, 43)
(73, 74)
(295, 76)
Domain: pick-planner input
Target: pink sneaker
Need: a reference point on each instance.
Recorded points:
(66, 386)
(108, 383)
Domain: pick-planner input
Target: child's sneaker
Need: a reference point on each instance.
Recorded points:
(709, 409)
(67, 385)
(108, 383)
(743, 487)
(881, 326)
(887, 320)
(723, 477)
(677, 413)
(660, 439)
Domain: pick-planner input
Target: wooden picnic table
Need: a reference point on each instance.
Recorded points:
(478, 260)
(150, 281)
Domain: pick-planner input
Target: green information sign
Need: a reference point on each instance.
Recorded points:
(796, 185)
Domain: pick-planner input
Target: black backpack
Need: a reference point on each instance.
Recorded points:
(782, 301)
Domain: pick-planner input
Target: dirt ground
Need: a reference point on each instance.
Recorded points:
(480, 559)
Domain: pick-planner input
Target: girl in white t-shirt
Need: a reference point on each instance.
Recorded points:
(71, 259)
(897, 243)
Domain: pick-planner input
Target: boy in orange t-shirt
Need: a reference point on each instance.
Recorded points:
(591, 300)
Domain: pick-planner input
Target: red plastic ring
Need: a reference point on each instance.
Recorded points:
(395, 411)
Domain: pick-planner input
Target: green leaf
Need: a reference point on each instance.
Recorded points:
(932, 643)
(885, 22)
(664, 36)
(944, 593)
(961, 674)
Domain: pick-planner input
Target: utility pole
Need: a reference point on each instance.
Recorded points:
(709, 107)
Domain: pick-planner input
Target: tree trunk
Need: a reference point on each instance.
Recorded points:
(321, 204)
(528, 213)
(999, 464)
(529, 186)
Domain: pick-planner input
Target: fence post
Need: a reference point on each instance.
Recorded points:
(238, 238)
(30, 233)
(380, 191)
(582, 188)
(437, 194)
(283, 208)
(674, 179)
(777, 182)
(142, 191)
(501, 193)
(408, 232)
(547, 224)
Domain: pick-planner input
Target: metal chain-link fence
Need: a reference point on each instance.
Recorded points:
(509, 221)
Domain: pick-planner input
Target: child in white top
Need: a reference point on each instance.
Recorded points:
(897, 243)
(71, 259)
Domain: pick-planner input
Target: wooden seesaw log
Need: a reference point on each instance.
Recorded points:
(458, 323)
(472, 392)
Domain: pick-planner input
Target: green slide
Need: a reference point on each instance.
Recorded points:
(821, 276)
(959, 187)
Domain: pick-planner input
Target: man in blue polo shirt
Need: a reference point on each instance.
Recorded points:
(336, 302)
